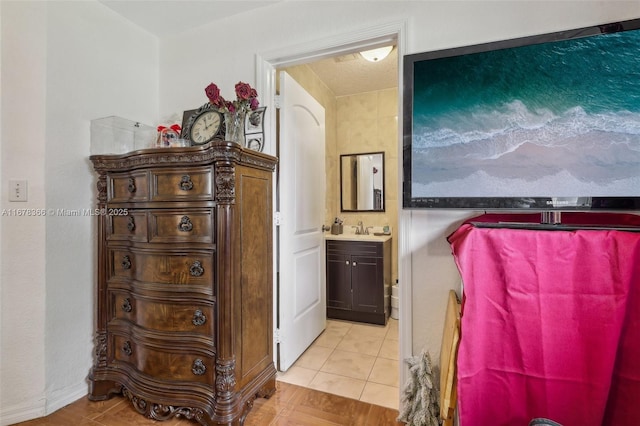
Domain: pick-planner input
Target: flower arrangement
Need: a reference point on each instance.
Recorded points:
(234, 111)
(246, 98)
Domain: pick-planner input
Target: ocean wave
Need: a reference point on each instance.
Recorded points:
(502, 130)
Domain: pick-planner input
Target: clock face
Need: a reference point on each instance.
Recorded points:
(205, 127)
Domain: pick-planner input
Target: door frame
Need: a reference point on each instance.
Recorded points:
(355, 41)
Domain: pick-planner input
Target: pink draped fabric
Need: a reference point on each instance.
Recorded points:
(550, 323)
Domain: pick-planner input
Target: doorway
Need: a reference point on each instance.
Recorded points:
(308, 56)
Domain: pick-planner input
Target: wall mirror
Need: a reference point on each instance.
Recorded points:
(362, 182)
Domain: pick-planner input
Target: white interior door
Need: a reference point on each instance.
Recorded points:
(302, 290)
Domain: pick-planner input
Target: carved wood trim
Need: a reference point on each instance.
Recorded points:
(101, 184)
(226, 395)
(225, 184)
(153, 410)
(212, 152)
(225, 378)
(101, 349)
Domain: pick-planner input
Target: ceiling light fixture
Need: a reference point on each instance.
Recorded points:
(376, 55)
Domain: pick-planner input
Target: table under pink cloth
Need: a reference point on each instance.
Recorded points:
(550, 322)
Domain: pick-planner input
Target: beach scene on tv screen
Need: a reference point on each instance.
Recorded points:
(555, 119)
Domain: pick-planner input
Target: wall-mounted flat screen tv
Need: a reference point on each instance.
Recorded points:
(548, 122)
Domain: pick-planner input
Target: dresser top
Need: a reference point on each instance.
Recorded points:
(210, 153)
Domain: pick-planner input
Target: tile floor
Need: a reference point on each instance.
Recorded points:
(353, 360)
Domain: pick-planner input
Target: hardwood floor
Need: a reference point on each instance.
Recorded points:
(291, 405)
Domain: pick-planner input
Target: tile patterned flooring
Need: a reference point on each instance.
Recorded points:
(354, 360)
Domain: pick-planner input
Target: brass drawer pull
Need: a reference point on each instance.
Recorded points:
(185, 224)
(196, 269)
(199, 318)
(126, 305)
(132, 185)
(127, 348)
(126, 262)
(198, 367)
(185, 183)
(131, 226)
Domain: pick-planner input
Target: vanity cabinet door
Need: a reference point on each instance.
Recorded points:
(339, 281)
(367, 284)
(357, 280)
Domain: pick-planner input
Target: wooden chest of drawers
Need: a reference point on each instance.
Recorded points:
(184, 285)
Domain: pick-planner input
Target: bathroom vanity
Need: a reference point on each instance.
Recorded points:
(358, 277)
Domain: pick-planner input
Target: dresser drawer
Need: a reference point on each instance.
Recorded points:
(163, 362)
(130, 227)
(173, 226)
(191, 184)
(190, 268)
(165, 315)
(121, 264)
(128, 187)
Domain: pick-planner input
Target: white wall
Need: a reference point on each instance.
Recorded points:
(225, 53)
(63, 64)
(22, 376)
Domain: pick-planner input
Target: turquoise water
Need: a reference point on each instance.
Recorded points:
(503, 119)
(530, 86)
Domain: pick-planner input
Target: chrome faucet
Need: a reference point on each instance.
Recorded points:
(360, 229)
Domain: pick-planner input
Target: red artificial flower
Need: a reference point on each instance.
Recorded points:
(213, 93)
(243, 91)
(246, 98)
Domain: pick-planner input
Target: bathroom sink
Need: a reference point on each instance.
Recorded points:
(358, 237)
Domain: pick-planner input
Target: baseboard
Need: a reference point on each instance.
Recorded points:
(66, 396)
(22, 412)
(43, 406)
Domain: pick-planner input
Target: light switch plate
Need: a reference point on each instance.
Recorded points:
(17, 190)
